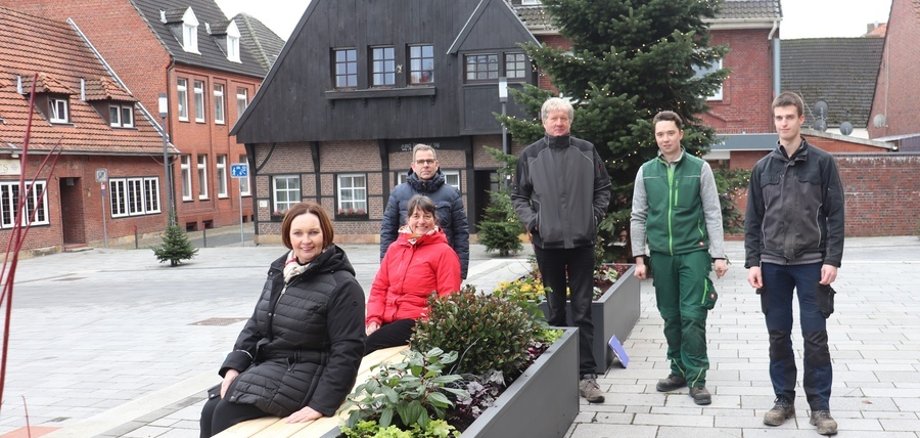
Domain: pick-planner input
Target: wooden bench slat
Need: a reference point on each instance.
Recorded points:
(271, 427)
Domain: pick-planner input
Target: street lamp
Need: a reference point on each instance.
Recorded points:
(164, 111)
(503, 98)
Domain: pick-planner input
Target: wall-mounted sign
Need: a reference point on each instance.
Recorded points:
(10, 168)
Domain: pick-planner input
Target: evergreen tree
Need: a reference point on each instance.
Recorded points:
(176, 245)
(629, 60)
(500, 228)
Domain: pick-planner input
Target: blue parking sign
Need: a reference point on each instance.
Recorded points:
(239, 170)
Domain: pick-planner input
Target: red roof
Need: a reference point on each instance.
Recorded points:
(31, 45)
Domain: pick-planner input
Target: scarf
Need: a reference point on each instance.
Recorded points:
(413, 238)
(293, 268)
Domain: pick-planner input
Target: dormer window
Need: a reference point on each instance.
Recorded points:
(121, 116)
(190, 31)
(57, 110)
(233, 42)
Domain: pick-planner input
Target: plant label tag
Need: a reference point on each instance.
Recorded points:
(618, 350)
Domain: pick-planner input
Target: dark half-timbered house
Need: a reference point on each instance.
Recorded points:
(359, 83)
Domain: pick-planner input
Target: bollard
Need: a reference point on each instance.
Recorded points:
(204, 235)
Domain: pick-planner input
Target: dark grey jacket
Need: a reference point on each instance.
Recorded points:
(795, 209)
(450, 212)
(304, 343)
(561, 191)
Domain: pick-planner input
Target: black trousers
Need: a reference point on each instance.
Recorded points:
(573, 268)
(389, 335)
(219, 414)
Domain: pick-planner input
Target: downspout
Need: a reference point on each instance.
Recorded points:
(317, 178)
(385, 169)
(171, 178)
(776, 58)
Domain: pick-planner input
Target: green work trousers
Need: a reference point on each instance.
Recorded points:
(681, 287)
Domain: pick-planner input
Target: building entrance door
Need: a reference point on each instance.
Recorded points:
(72, 217)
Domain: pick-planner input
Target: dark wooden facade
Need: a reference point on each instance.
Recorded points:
(300, 106)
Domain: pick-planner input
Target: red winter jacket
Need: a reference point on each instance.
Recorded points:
(409, 274)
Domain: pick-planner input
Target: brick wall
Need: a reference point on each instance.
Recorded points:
(748, 91)
(882, 193)
(896, 91)
(557, 41)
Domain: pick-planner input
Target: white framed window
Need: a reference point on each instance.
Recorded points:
(199, 101)
(134, 196)
(222, 176)
(383, 66)
(121, 116)
(182, 98)
(185, 165)
(233, 42)
(346, 68)
(242, 101)
(189, 31)
(36, 205)
(351, 194)
(219, 106)
(57, 110)
(244, 182)
(700, 72)
(451, 177)
(285, 193)
(202, 176)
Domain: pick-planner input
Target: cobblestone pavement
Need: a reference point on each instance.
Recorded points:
(111, 343)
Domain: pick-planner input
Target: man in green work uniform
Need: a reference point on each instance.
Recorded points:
(676, 211)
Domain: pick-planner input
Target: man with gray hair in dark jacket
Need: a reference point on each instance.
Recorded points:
(561, 192)
(426, 179)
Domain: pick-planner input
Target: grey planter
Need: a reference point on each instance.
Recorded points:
(542, 402)
(614, 313)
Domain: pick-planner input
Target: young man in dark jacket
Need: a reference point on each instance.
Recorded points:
(676, 210)
(794, 240)
(426, 179)
(561, 191)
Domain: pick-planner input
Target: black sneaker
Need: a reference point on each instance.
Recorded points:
(671, 383)
(700, 395)
(782, 410)
(823, 421)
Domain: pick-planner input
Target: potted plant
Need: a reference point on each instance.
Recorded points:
(504, 364)
(614, 307)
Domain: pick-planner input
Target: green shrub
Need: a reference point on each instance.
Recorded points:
(407, 393)
(370, 429)
(176, 246)
(491, 333)
(729, 183)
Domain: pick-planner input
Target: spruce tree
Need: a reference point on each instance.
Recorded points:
(176, 245)
(629, 60)
(500, 228)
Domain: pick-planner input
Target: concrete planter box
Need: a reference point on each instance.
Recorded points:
(614, 313)
(542, 402)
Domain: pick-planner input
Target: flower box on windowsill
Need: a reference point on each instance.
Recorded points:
(614, 313)
(351, 215)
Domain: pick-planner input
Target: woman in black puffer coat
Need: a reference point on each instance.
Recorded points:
(298, 355)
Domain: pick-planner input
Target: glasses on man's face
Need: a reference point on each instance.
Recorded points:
(424, 162)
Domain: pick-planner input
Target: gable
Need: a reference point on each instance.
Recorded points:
(491, 21)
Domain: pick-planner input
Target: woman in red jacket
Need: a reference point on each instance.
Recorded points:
(419, 263)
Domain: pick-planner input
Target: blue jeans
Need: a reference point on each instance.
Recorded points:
(779, 282)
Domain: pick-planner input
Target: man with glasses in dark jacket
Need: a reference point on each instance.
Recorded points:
(793, 240)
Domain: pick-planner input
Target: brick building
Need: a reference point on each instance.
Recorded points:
(208, 66)
(83, 107)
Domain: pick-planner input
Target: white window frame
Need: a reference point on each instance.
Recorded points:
(417, 63)
(190, 32)
(58, 110)
(198, 87)
(182, 98)
(345, 75)
(242, 101)
(357, 195)
(202, 166)
(220, 110)
(185, 166)
(136, 196)
(122, 116)
(221, 164)
(244, 182)
(701, 71)
(278, 189)
(233, 42)
(383, 68)
(9, 203)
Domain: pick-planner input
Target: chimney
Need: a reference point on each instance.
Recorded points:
(83, 89)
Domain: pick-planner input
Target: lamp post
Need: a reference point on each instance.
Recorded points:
(503, 98)
(164, 111)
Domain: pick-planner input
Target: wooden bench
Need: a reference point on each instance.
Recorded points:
(274, 427)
